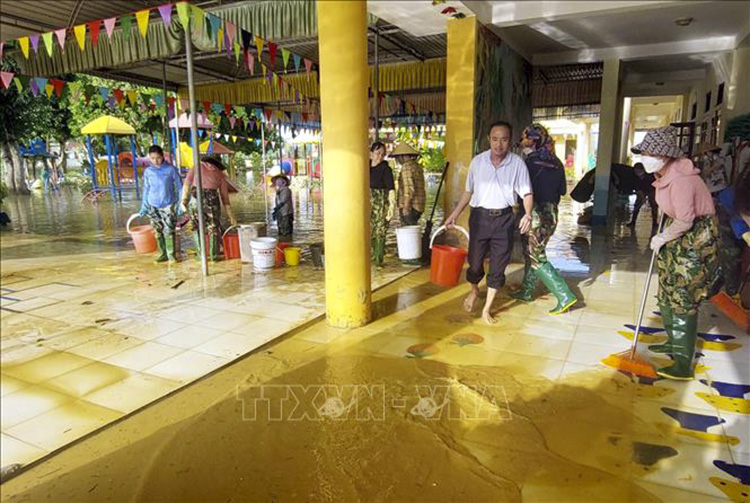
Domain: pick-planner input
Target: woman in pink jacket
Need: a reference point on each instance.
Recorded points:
(688, 256)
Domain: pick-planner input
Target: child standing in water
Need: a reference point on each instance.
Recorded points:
(161, 186)
(283, 212)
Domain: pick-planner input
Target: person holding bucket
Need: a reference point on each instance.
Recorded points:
(161, 186)
(283, 212)
(383, 200)
(215, 194)
(411, 192)
(496, 177)
(548, 183)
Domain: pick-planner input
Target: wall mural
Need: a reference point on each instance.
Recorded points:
(503, 88)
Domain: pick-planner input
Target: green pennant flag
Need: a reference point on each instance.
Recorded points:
(199, 17)
(237, 51)
(17, 82)
(47, 37)
(127, 23)
(285, 57)
(183, 10)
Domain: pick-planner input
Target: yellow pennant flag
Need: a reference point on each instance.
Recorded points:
(199, 18)
(132, 96)
(220, 38)
(234, 138)
(259, 45)
(183, 10)
(80, 32)
(237, 51)
(142, 17)
(121, 104)
(24, 43)
(49, 89)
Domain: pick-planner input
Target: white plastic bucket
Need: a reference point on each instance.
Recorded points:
(264, 253)
(246, 234)
(409, 242)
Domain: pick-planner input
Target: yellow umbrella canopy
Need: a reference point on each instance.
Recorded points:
(106, 124)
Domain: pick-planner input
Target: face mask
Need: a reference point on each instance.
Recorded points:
(651, 164)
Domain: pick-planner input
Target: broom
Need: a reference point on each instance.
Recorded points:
(630, 361)
(427, 235)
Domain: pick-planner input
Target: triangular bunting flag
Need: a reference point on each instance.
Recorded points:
(119, 95)
(48, 43)
(122, 104)
(184, 104)
(206, 106)
(132, 96)
(234, 139)
(24, 43)
(104, 91)
(7, 78)
(259, 45)
(285, 57)
(230, 32)
(166, 14)
(220, 38)
(111, 101)
(18, 84)
(308, 67)
(61, 34)
(247, 39)
(228, 109)
(41, 83)
(170, 101)
(127, 23)
(215, 23)
(183, 10)
(268, 114)
(159, 100)
(237, 51)
(142, 18)
(216, 108)
(109, 26)
(232, 122)
(58, 85)
(272, 53)
(94, 27)
(34, 88)
(80, 33)
(251, 63)
(49, 89)
(275, 80)
(227, 45)
(297, 60)
(34, 43)
(199, 18)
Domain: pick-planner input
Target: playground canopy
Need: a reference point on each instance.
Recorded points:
(184, 122)
(106, 124)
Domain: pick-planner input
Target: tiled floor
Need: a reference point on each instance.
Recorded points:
(86, 340)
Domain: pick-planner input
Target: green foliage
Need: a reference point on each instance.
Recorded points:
(79, 180)
(432, 160)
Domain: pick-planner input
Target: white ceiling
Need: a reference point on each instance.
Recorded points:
(419, 18)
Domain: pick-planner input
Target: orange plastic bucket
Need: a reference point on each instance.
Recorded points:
(280, 258)
(231, 243)
(143, 236)
(447, 261)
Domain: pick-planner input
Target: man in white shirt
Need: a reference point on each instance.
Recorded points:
(495, 178)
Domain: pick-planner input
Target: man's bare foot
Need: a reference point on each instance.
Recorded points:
(488, 318)
(470, 301)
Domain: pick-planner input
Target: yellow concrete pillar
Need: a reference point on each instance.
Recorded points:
(608, 138)
(459, 105)
(342, 43)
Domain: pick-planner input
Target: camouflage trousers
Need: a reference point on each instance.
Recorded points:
(730, 251)
(211, 211)
(163, 220)
(689, 270)
(543, 225)
(378, 223)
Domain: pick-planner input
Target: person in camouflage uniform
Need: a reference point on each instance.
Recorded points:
(161, 188)
(548, 182)
(382, 199)
(687, 248)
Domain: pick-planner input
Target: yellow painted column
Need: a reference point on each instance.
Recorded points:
(459, 104)
(609, 129)
(342, 42)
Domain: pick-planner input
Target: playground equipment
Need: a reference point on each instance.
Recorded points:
(106, 173)
(184, 155)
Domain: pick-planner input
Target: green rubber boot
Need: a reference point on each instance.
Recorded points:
(161, 249)
(528, 286)
(666, 317)
(556, 284)
(169, 240)
(213, 248)
(378, 252)
(197, 240)
(684, 332)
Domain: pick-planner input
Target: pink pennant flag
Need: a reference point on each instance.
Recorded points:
(61, 34)
(184, 105)
(109, 25)
(7, 78)
(232, 122)
(231, 30)
(166, 14)
(251, 63)
(34, 42)
(308, 67)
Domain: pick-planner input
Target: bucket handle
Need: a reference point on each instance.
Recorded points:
(132, 217)
(444, 228)
(229, 229)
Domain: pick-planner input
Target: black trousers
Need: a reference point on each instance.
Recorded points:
(490, 234)
(411, 218)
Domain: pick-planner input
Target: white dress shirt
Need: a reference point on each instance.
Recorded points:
(496, 188)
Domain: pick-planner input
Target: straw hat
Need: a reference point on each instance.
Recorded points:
(661, 141)
(403, 149)
(282, 176)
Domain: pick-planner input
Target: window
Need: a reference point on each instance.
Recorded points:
(715, 127)
(704, 131)
(694, 111)
(720, 94)
(708, 101)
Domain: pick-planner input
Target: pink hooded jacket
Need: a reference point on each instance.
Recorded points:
(682, 194)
